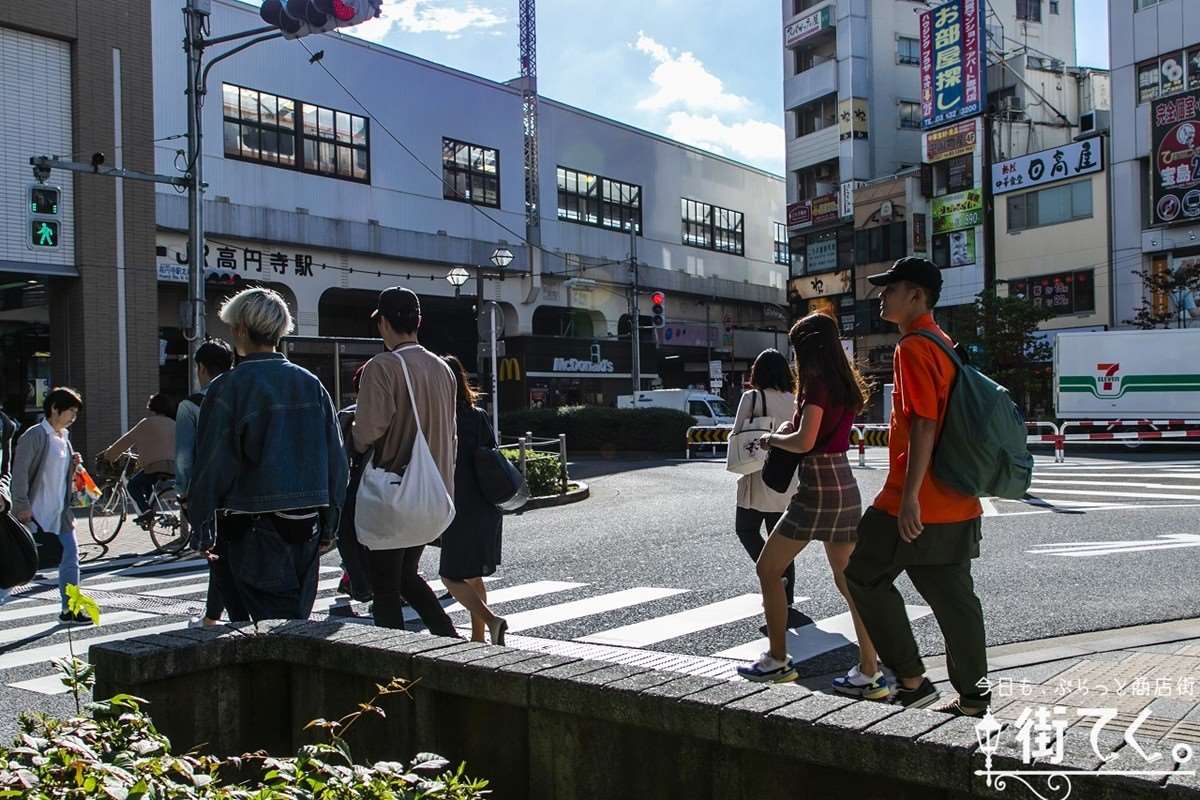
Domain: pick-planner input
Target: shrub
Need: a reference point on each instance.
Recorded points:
(541, 471)
(597, 429)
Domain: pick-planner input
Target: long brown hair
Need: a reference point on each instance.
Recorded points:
(820, 359)
(467, 395)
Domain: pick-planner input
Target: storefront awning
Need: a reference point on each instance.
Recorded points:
(32, 268)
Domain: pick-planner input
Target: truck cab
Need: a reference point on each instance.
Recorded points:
(709, 410)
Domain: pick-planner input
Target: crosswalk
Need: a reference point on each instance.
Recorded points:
(1083, 486)
(603, 621)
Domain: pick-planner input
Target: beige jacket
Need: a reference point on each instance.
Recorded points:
(751, 491)
(152, 440)
(384, 416)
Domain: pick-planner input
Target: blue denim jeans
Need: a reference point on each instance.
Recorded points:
(68, 568)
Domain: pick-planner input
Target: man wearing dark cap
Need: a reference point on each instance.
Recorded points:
(917, 524)
(385, 419)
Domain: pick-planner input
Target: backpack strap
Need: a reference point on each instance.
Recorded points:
(955, 358)
(197, 398)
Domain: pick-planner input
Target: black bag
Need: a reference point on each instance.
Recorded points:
(779, 469)
(49, 548)
(18, 553)
(501, 483)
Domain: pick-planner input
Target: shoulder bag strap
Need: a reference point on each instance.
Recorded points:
(412, 399)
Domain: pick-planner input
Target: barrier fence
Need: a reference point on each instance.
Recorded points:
(1161, 431)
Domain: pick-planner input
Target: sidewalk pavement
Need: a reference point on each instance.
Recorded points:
(1126, 670)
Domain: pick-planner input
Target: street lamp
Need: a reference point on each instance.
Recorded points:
(501, 257)
(457, 277)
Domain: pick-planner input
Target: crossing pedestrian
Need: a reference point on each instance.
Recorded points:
(386, 419)
(471, 545)
(917, 525)
(213, 359)
(269, 476)
(8, 434)
(772, 394)
(43, 480)
(355, 582)
(826, 506)
(152, 441)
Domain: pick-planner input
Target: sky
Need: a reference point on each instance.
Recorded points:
(709, 74)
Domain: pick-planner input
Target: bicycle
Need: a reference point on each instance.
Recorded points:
(164, 520)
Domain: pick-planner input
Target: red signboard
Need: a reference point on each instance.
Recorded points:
(1175, 173)
(799, 214)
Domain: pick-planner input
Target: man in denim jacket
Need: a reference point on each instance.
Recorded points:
(270, 469)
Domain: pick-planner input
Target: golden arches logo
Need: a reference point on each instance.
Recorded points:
(509, 370)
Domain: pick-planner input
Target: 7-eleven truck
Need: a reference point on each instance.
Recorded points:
(1128, 375)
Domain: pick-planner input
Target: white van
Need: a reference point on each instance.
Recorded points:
(708, 409)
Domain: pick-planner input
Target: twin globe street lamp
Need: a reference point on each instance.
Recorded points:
(501, 257)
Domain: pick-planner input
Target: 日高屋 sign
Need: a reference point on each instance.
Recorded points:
(1048, 166)
(953, 70)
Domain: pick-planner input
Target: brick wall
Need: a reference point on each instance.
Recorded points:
(84, 310)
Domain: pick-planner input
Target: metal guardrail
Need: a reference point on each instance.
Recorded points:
(527, 444)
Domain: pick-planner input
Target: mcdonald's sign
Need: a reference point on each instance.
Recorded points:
(509, 369)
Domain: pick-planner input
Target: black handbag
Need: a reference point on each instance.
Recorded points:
(49, 549)
(781, 465)
(18, 553)
(500, 482)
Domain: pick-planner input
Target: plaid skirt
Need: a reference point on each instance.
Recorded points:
(827, 507)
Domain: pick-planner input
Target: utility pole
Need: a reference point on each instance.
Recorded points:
(635, 315)
(193, 45)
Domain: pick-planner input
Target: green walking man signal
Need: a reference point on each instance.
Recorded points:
(45, 217)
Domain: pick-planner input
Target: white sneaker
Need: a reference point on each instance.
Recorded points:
(769, 670)
(855, 684)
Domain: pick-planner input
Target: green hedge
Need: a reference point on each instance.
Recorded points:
(597, 429)
(541, 471)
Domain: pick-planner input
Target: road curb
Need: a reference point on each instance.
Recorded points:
(581, 493)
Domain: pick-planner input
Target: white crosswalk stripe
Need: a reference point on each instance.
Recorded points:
(660, 629)
(577, 609)
(813, 640)
(1092, 486)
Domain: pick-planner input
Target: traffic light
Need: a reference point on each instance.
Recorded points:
(45, 216)
(296, 18)
(658, 312)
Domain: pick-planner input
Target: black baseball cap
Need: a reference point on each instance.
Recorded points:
(396, 303)
(920, 271)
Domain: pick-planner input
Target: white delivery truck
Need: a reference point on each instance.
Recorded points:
(1127, 375)
(708, 409)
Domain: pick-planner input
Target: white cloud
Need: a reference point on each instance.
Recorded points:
(428, 16)
(682, 80)
(749, 140)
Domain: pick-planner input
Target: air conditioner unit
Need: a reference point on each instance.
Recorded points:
(1094, 122)
(824, 172)
(1013, 104)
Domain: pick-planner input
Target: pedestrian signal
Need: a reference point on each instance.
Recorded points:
(45, 218)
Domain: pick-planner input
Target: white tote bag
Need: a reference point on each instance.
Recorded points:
(405, 510)
(744, 456)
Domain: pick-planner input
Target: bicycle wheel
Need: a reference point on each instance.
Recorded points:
(166, 525)
(112, 502)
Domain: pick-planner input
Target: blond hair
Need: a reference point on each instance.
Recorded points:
(263, 314)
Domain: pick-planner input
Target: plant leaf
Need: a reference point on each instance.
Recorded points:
(78, 602)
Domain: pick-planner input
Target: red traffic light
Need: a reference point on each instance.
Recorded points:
(657, 298)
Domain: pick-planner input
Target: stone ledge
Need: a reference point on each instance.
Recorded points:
(288, 668)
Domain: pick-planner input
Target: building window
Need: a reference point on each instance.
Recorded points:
(910, 115)
(883, 243)
(1064, 294)
(908, 50)
(816, 116)
(1168, 74)
(954, 175)
(1054, 6)
(1029, 10)
(470, 173)
(1140, 5)
(264, 128)
(712, 227)
(1053, 206)
(783, 253)
(593, 200)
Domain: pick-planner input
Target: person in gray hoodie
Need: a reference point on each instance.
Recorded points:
(43, 478)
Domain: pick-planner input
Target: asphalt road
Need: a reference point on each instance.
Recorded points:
(650, 561)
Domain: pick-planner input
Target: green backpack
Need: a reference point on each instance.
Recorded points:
(982, 448)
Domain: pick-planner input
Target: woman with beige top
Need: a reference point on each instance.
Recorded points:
(772, 394)
(153, 442)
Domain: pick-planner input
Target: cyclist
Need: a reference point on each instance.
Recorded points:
(153, 442)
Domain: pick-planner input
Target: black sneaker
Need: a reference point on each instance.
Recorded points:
(920, 697)
(67, 616)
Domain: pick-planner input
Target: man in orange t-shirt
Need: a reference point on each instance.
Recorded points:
(917, 524)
